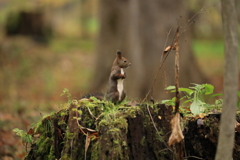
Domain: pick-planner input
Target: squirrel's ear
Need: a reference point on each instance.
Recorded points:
(119, 54)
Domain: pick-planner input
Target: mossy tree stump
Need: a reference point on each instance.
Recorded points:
(120, 132)
(100, 130)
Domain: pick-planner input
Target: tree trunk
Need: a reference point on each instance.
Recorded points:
(226, 135)
(139, 29)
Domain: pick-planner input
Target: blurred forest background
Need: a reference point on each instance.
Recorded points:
(46, 46)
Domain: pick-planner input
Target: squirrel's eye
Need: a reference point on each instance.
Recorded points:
(124, 61)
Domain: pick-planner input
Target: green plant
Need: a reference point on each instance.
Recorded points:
(66, 92)
(195, 96)
(26, 138)
(238, 104)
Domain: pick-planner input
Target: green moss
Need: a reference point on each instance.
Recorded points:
(114, 130)
(115, 142)
(65, 157)
(44, 127)
(44, 147)
(51, 154)
(131, 111)
(63, 114)
(103, 122)
(143, 141)
(113, 125)
(95, 151)
(158, 136)
(62, 122)
(124, 143)
(69, 135)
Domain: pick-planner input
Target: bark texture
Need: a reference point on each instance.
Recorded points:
(226, 137)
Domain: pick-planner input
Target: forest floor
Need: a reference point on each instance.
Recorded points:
(33, 77)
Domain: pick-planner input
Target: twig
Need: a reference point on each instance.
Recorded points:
(176, 45)
(86, 147)
(99, 116)
(165, 45)
(162, 60)
(91, 113)
(39, 111)
(191, 21)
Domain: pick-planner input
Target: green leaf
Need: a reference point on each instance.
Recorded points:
(219, 101)
(238, 104)
(166, 101)
(170, 88)
(187, 90)
(208, 88)
(169, 102)
(197, 86)
(80, 112)
(238, 93)
(215, 95)
(74, 109)
(195, 107)
(186, 101)
(24, 136)
(65, 91)
(28, 139)
(18, 131)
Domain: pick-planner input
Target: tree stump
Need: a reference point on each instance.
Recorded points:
(97, 130)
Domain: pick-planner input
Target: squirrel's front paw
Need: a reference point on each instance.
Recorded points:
(122, 76)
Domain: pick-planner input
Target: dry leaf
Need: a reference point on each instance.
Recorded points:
(237, 126)
(167, 49)
(36, 135)
(87, 143)
(202, 115)
(176, 135)
(30, 131)
(132, 103)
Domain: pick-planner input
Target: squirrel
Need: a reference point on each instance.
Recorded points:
(115, 91)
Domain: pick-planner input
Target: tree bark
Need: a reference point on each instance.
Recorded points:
(139, 29)
(226, 135)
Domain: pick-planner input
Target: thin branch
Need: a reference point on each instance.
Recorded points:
(177, 101)
(191, 21)
(162, 60)
(91, 113)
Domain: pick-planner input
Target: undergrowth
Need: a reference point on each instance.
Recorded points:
(198, 99)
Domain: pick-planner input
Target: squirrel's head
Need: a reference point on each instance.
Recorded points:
(121, 61)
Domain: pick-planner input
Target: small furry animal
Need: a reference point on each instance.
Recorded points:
(115, 91)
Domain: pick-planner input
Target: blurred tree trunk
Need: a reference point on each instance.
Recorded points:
(228, 118)
(139, 29)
